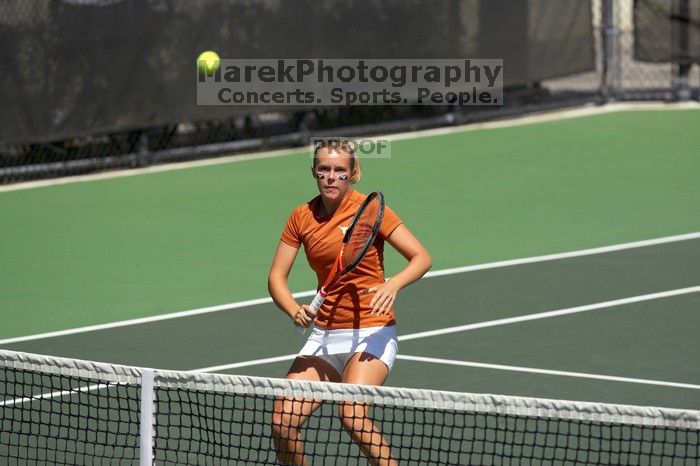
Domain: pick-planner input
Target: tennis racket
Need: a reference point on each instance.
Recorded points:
(357, 240)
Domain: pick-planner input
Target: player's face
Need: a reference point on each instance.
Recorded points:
(332, 173)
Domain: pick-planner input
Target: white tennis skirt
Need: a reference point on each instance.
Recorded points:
(338, 346)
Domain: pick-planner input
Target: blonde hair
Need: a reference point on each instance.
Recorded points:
(343, 145)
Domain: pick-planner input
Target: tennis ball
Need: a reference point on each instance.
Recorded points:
(208, 61)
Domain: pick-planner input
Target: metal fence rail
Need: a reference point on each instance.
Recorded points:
(644, 50)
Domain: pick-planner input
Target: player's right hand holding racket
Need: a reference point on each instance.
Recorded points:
(357, 240)
(304, 318)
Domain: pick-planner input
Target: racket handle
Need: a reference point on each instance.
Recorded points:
(313, 307)
(318, 301)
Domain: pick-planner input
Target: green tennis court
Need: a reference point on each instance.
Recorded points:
(614, 324)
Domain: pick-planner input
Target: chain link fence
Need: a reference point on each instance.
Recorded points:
(643, 50)
(656, 43)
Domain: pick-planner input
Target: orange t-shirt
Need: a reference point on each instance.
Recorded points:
(344, 307)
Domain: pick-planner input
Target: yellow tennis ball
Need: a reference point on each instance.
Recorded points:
(208, 61)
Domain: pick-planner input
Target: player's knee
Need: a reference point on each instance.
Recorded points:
(349, 417)
(280, 425)
(285, 422)
(283, 438)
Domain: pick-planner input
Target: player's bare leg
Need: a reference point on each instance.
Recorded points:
(366, 369)
(290, 414)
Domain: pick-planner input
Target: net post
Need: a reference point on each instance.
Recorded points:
(146, 418)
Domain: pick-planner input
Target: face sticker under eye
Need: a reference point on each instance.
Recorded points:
(343, 177)
(319, 175)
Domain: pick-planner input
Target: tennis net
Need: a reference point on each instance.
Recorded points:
(65, 411)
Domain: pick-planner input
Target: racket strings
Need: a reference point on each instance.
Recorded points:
(362, 234)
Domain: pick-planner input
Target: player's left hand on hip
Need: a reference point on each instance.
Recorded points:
(383, 299)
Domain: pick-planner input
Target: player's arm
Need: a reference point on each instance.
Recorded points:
(277, 283)
(419, 262)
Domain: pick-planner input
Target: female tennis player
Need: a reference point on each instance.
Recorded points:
(353, 339)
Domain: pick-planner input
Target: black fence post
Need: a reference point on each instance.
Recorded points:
(609, 33)
(681, 69)
(143, 154)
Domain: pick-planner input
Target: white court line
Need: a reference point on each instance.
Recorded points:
(302, 294)
(534, 370)
(146, 320)
(90, 388)
(566, 255)
(489, 323)
(545, 315)
(252, 362)
(529, 119)
(56, 394)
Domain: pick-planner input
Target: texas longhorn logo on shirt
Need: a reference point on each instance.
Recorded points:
(343, 229)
